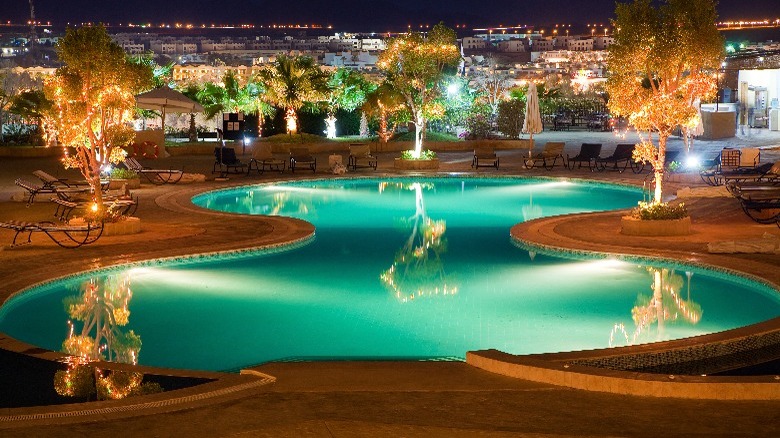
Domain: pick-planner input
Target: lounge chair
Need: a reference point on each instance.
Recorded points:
(301, 156)
(52, 182)
(548, 156)
(624, 154)
(734, 164)
(749, 158)
(484, 157)
(33, 190)
(765, 174)
(728, 161)
(225, 161)
(155, 176)
(263, 158)
(589, 153)
(124, 206)
(760, 204)
(66, 236)
(360, 156)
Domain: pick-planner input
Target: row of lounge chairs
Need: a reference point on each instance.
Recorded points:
(68, 197)
(589, 155)
(226, 161)
(759, 196)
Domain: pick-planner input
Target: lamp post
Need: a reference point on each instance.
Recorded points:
(718, 74)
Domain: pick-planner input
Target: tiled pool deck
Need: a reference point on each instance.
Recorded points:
(383, 398)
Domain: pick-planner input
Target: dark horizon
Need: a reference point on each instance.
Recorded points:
(378, 15)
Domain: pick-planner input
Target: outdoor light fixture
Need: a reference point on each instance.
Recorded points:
(692, 162)
(330, 127)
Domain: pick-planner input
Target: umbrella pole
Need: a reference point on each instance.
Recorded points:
(530, 145)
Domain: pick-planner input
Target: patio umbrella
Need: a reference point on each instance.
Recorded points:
(533, 120)
(165, 99)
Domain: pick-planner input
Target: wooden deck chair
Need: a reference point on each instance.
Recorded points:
(155, 176)
(727, 161)
(360, 156)
(589, 153)
(749, 157)
(624, 154)
(484, 157)
(225, 161)
(301, 156)
(50, 181)
(263, 158)
(548, 156)
(66, 236)
(33, 190)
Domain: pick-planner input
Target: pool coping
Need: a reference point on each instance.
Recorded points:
(580, 370)
(180, 201)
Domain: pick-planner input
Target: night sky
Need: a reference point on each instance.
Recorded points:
(381, 14)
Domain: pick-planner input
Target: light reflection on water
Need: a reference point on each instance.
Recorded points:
(405, 268)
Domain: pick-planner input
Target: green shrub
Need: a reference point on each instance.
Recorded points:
(429, 136)
(650, 211)
(122, 173)
(296, 138)
(511, 114)
(424, 155)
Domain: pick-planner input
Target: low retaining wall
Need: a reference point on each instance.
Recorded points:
(30, 151)
(623, 382)
(207, 148)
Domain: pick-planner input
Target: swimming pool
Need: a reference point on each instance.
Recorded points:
(400, 269)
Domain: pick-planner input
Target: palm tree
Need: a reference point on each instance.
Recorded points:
(348, 90)
(192, 90)
(32, 105)
(231, 96)
(291, 82)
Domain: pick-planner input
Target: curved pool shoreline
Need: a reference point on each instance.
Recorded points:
(179, 202)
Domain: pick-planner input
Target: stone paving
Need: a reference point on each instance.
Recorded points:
(387, 398)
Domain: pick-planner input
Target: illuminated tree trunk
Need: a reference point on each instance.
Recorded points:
(384, 136)
(658, 168)
(419, 124)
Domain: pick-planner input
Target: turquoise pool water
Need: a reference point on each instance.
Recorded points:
(399, 268)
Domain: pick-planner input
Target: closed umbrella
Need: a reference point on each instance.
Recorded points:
(693, 128)
(698, 128)
(533, 119)
(165, 99)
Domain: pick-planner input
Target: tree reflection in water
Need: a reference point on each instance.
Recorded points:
(418, 269)
(101, 308)
(664, 306)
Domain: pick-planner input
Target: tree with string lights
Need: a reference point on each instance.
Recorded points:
(93, 101)
(415, 65)
(663, 59)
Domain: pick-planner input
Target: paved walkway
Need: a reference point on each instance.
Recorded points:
(385, 398)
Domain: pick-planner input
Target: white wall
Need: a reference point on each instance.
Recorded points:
(769, 78)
